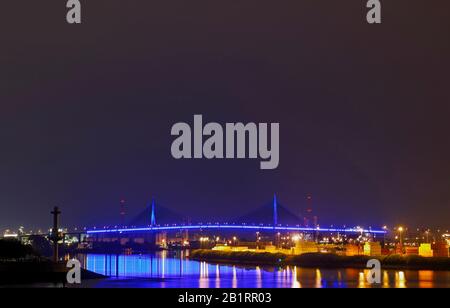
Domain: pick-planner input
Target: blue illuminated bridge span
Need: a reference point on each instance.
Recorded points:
(271, 217)
(233, 227)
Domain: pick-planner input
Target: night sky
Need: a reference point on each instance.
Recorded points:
(86, 110)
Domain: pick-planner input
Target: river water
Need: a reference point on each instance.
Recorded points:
(173, 270)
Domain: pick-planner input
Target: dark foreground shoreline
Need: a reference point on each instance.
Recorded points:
(35, 272)
(321, 260)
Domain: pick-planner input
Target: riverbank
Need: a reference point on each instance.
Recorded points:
(320, 260)
(38, 271)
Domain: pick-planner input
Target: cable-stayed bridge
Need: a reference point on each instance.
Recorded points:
(270, 217)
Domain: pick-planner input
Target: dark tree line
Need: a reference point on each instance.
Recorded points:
(14, 249)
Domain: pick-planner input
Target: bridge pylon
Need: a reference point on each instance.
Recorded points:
(153, 216)
(275, 211)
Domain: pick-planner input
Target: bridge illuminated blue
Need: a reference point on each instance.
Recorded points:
(202, 227)
(275, 226)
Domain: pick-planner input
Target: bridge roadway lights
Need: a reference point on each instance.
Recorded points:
(235, 227)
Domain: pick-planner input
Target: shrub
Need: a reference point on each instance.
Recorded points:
(13, 249)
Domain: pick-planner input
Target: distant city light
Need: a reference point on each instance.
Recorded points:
(10, 235)
(296, 238)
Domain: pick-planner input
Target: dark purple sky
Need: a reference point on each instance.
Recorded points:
(86, 110)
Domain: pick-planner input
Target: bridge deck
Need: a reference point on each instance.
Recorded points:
(235, 227)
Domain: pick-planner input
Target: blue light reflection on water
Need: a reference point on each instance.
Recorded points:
(168, 270)
(186, 273)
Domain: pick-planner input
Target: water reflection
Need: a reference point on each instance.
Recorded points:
(362, 280)
(204, 277)
(234, 284)
(426, 279)
(385, 279)
(295, 282)
(174, 270)
(400, 280)
(258, 277)
(217, 285)
(318, 279)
